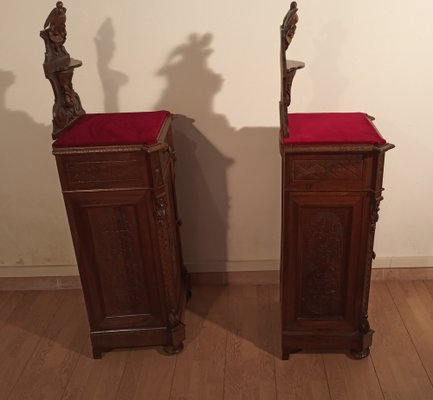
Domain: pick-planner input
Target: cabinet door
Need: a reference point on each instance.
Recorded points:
(116, 246)
(323, 261)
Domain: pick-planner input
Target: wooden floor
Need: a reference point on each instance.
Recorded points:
(232, 351)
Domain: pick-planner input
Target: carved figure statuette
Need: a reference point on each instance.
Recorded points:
(59, 68)
(56, 25)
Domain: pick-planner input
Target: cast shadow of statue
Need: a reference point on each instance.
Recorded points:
(32, 210)
(111, 79)
(329, 82)
(207, 146)
(201, 167)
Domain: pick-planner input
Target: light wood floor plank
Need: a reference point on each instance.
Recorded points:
(199, 373)
(302, 376)
(351, 379)
(397, 364)
(8, 302)
(148, 374)
(251, 344)
(22, 333)
(49, 369)
(429, 285)
(232, 351)
(96, 379)
(415, 305)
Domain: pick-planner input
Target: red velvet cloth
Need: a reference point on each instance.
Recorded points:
(331, 128)
(113, 129)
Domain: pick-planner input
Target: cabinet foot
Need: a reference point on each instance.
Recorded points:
(360, 354)
(96, 353)
(170, 349)
(287, 352)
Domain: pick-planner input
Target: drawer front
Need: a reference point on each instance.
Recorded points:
(102, 171)
(328, 172)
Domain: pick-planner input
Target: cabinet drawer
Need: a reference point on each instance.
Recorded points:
(103, 171)
(328, 172)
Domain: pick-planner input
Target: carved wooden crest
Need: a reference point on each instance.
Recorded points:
(59, 69)
(288, 69)
(288, 27)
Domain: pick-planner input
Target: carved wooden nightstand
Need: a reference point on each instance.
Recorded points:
(117, 176)
(332, 186)
(122, 213)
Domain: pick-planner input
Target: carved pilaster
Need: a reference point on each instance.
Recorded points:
(161, 211)
(374, 217)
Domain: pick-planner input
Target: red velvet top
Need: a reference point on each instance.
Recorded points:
(331, 128)
(113, 129)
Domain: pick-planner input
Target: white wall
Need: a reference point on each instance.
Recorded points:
(217, 63)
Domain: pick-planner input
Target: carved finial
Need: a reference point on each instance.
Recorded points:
(288, 27)
(56, 25)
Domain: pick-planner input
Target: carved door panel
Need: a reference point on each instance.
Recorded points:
(116, 244)
(324, 260)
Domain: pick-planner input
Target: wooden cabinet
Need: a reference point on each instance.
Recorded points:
(121, 207)
(331, 197)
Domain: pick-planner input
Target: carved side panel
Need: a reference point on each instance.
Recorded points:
(167, 246)
(325, 237)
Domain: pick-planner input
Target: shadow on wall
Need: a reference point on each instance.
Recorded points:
(201, 169)
(111, 79)
(208, 147)
(223, 214)
(33, 228)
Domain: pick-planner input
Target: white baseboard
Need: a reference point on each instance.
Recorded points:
(403, 262)
(21, 271)
(26, 271)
